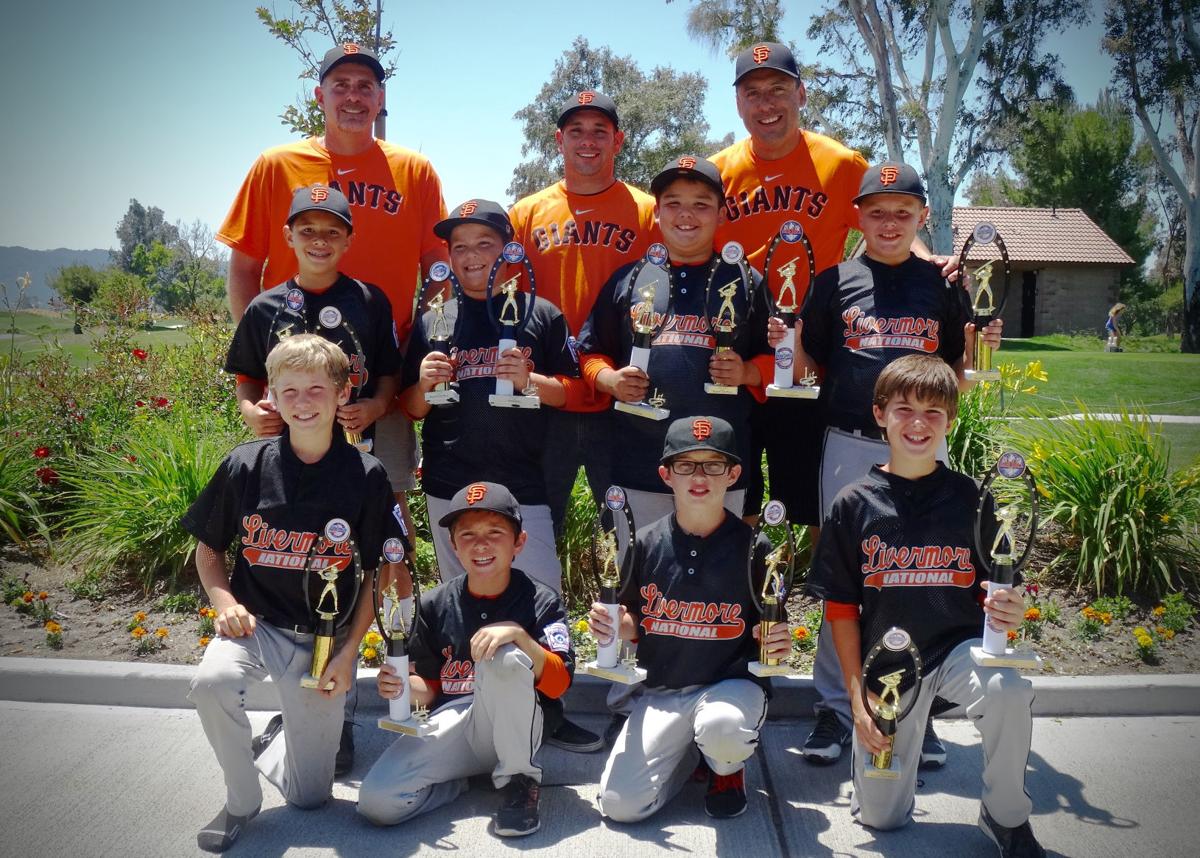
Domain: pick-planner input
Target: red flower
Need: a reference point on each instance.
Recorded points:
(78, 417)
(47, 475)
(140, 404)
(140, 354)
(161, 402)
(42, 452)
(131, 458)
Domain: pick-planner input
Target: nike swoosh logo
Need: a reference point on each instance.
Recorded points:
(772, 178)
(344, 172)
(583, 211)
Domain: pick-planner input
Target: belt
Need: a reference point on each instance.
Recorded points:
(289, 627)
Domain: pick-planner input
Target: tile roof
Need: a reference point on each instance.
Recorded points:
(1039, 235)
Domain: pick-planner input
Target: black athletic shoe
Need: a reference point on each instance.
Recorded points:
(1016, 842)
(259, 743)
(726, 796)
(824, 744)
(344, 761)
(224, 830)
(615, 725)
(933, 752)
(518, 813)
(571, 737)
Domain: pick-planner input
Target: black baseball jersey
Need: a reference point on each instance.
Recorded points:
(861, 315)
(450, 615)
(691, 599)
(363, 320)
(277, 507)
(904, 551)
(473, 440)
(679, 356)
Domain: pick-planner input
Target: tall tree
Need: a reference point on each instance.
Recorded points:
(662, 115)
(199, 259)
(945, 78)
(329, 22)
(734, 25)
(76, 284)
(144, 226)
(1156, 49)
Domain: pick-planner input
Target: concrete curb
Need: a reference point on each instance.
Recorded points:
(165, 686)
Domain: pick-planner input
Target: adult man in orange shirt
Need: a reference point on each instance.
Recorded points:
(577, 232)
(780, 173)
(395, 197)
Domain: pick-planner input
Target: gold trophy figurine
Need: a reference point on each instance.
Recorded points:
(983, 310)
(639, 356)
(723, 327)
(887, 711)
(610, 568)
(787, 291)
(771, 599)
(326, 612)
(885, 716)
(439, 340)
(509, 290)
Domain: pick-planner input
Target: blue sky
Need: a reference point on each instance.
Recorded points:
(169, 102)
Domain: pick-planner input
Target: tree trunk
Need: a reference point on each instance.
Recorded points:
(941, 213)
(1190, 341)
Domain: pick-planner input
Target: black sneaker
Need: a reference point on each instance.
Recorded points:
(824, 744)
(933, 752)
(518, 813)
(726, 796)
(1016, 842)
(224, 830)
(615, 725)
(571, 737)
(344, 761)
(259, 743)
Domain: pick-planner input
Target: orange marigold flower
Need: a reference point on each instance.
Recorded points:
(139, 616)
(205, 640)
(52, 627)
(27, 597)
(369, 653)
(1012, 635)
(161, 632)
(1169, 634)
(1159, 611)
(43, 595)
(1033, 614)
(800, 633)
(1105, 617)
(138, 632)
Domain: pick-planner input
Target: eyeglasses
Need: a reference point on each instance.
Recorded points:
(687, 467)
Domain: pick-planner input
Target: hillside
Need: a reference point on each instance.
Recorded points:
(41, 266)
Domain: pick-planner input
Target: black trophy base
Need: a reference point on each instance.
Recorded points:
(796, 391)
(643, 409)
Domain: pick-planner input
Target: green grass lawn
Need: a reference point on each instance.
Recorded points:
(38, 330)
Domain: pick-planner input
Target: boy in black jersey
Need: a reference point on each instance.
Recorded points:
(276, 498)
(483, 644)
(688, 602)
(898, 549)
(321, 300)
(689, 205)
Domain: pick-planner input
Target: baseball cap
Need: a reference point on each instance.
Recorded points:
(690, 167)
(320, 198)
(485, 212)
(766, 55)
(891, 177)
(349, 52)
(483, 497)
(588, 99)
(700, 433)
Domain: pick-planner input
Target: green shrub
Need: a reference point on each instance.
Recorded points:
(1132, 527)
(180, 603)
(125, 504)
(979, 433)
(1175, 613)
(24, 479)
(575, 545)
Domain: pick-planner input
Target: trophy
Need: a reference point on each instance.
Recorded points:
(983, 303)
(326, 610)
(389, 616)
(510, 322)
(888, 712)
(771, 601)
(724, 323)
(439, 331)
(649, 272)
(611, 574)
(1005, 557)
(786, 307)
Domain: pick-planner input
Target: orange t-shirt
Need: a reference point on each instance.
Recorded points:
(395, 200)
(576, 241)
(813, 184)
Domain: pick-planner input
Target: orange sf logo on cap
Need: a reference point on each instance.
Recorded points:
(468, 209)
(761, 53)
(475, 493)
(350, 48)
(319, 194)
(587, 97)
(701, 428)
(687, 162)
(888, 175)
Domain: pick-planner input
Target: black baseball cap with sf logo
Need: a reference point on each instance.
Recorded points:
(700, 433)
(891, 177)
(320, 198)
(483, 497)
(766, 55)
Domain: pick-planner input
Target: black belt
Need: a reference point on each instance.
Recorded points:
(288, 627)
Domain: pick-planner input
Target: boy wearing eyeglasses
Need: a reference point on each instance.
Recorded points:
(688, 602)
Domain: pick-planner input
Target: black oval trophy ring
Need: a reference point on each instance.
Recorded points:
(611, 572)
(439, 331)
(326, 613)
(647, 280)
(771, 600)
(984, 306)
(396, 633)
(888, 712)
(723, 323)
(1005, 556)
(787, 306)
(510, 320)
